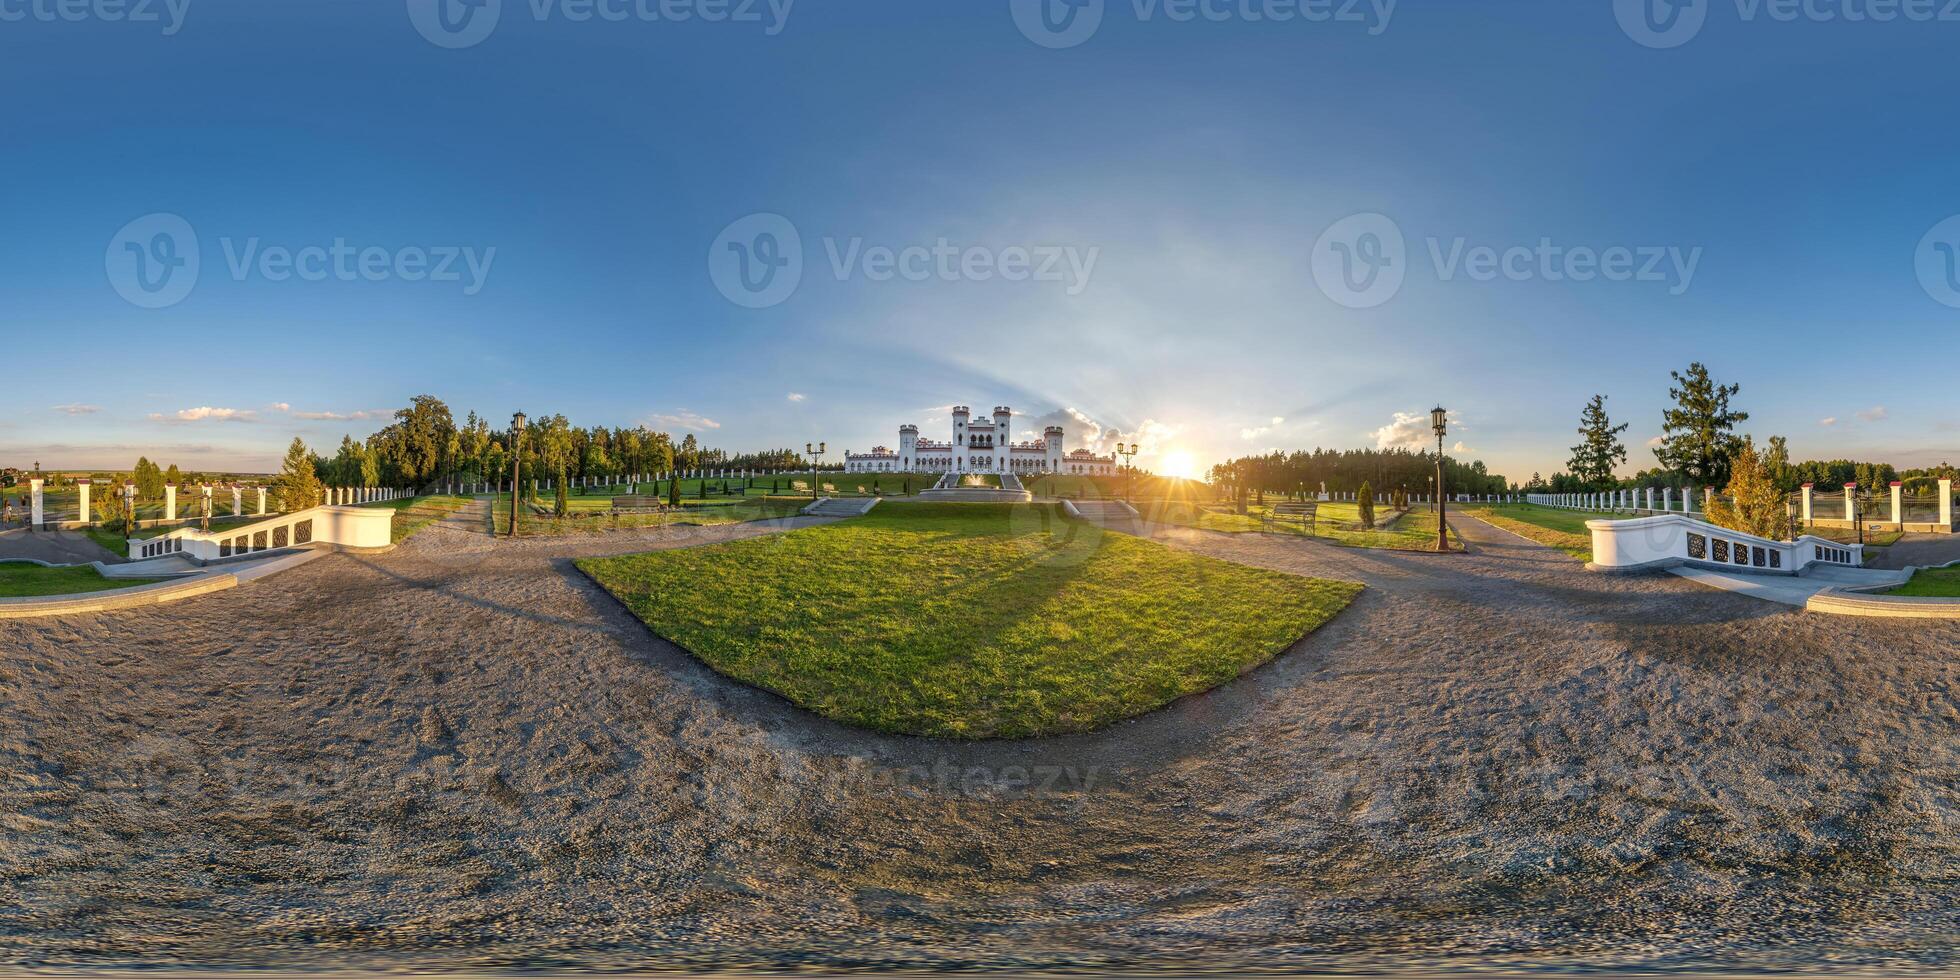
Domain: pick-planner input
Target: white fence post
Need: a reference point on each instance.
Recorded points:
(1851, 501)
(1898, 505)
(1946, 504)
(34, 501)
(83, 487)
(170, 503)
(1809, 489)
(261, 501)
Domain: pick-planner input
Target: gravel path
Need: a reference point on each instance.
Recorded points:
(462, 753)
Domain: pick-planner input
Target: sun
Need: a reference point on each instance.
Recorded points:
(1179, 464)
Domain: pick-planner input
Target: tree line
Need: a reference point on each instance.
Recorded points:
(1384, 471)
(1700, 447)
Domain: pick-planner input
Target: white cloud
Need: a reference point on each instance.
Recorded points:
(1411, 431)
(684, 420)
(364, 415)
(797, 396)
(279, 407)
(1659, 441)
(1254, 433)
(1876, 413)
(77, 409)
(206, 413)
(1461, 450)
(1828, 420)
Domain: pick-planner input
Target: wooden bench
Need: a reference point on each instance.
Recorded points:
(1294, 512)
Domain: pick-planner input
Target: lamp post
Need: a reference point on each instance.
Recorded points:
(1440, 420)
(816, 477)
(516, 465)
(1128, 453)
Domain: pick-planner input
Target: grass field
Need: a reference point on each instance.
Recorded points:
(969, 620)
(412, 514)
(595, 518)
(27, 579)
(1941, 582)
(1334, 523)
(1553, 526)
(1849, 535)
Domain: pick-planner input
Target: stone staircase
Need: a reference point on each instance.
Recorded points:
(1009, 481)
(1101, 511)
(837, 507)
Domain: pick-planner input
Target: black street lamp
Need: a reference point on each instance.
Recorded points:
(1439, 419)
(516, 465)
(1128, 453)
(816, 478)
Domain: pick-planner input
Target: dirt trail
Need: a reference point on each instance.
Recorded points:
(464, 753)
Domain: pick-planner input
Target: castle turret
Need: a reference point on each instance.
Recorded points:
(1052, 439)
(961, 414)
(908, 447)
(1003, 439)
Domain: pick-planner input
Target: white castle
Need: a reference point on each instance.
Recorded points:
(980, 447)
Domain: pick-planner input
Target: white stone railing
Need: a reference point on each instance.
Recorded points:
(1667, 540)
(1838, 509)
(342, 527)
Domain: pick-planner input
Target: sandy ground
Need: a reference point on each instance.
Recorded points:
(465, 755)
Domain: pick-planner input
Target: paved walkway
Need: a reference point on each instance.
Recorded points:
(54, 547)
(1792, 590)
(465, 749)
(1923, 550)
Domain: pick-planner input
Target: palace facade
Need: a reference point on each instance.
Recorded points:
(981, 446)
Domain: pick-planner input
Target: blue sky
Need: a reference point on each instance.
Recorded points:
(1169, 185)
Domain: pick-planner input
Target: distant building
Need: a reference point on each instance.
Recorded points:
(980, 447)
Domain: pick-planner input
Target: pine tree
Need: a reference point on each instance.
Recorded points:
(1366, 497)
(562, 505)
(1593, 459)
(296, 487)
(1698, 437)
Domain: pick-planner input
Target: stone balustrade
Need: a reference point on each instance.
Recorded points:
(359, 528)
(1667, 540)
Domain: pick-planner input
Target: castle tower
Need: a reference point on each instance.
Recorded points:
(908, 446)
(1003, 440)
(961, 414)
(1053, 438)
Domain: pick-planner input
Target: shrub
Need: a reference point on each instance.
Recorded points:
(1755, 504)
(561, 506)
(1366, 498)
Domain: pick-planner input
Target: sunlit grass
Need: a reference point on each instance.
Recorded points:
(969, 620)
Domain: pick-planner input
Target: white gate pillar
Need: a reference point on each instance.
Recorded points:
(83, 486)
(261, 501)
(1946, 504)
(1809, 489)
(34, 500)
(1851, 501)
(1898, 505)
(170, 503)
(237, 501)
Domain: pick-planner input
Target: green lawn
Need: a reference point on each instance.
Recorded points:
(1555, 526)
(27, 579)
(115, 543)
(412, 514)
(592, 517)
(1335, 522)
(1932, 582)
(1849, 535)
(969, 620)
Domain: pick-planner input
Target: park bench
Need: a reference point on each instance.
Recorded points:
(1303, 513)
